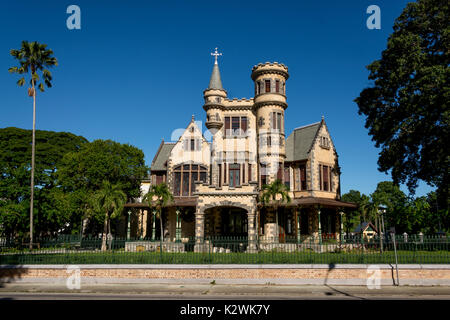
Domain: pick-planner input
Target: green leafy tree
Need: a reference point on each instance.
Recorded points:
(82, 172)
(110, 200)
(407, 111)
(158, 197)
(388, 194)
(51, 209)
(436, 218)
(274, 194)
(354, 217)
(34, 58)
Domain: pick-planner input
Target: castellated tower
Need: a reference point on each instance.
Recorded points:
(269, 106)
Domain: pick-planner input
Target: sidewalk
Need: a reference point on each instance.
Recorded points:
(217, 291)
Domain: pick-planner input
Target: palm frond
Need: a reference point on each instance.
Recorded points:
(35, 57)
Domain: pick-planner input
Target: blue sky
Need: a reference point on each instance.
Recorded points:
(137, 69)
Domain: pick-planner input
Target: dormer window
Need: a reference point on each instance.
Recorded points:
(324, 142)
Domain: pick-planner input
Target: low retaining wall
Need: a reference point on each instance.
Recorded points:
(425, 275)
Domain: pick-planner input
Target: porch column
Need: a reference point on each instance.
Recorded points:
(251, 229)
(297, 214)
(199, 229)
(154, 226)
(144, 223)
(178, 227)
(320, 225)
(129, 225)
(341, 226)
(141, 222)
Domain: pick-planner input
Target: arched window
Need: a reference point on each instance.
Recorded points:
(184, 177)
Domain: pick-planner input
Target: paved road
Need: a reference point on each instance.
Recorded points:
(31, 291)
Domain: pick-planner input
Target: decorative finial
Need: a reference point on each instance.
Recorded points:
(323, 118)
(192, 117)
(216, 54)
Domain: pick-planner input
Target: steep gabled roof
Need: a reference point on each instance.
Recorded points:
(363, 226)
(300, 142)
(161, 157)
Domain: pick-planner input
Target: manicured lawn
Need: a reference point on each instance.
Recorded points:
(121, 257)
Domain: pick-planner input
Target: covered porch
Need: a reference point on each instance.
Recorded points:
(308, 219)
(143, 223)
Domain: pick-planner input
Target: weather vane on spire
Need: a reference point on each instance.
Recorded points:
(216, 54)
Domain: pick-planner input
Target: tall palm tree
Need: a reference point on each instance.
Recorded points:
(158, 197)
(110, 199)
(278, 192)
(34, 58)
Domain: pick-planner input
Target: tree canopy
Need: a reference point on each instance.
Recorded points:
(101, 160)
(83, 172)
(405, 213)
(52, 210)
(406, 109)
(69, 170)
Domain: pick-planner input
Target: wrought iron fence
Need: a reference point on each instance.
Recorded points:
(307, 249)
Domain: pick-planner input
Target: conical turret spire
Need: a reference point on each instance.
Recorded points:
(215, 82)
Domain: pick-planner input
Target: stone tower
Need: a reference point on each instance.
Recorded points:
(214, 96)
(269, 106)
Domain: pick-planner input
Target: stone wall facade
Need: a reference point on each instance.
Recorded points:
(285, 274)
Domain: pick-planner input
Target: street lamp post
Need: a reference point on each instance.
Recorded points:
(381, 211)
(392, 231)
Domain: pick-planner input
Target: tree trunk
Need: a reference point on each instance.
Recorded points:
(32, 162)
(161, 225)
(105, 230)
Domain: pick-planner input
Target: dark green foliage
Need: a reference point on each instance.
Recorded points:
(34, 57)
(51, 208)
(69, 170)
(82, 174)
(102, 160)
(406, 214)
(352, 218)
(406, 109)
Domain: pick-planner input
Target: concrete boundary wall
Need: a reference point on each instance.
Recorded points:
(312, 274)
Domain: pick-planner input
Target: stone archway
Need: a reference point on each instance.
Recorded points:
(247, 207)
(226, 221)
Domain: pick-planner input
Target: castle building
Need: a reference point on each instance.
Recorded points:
(217, 184)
